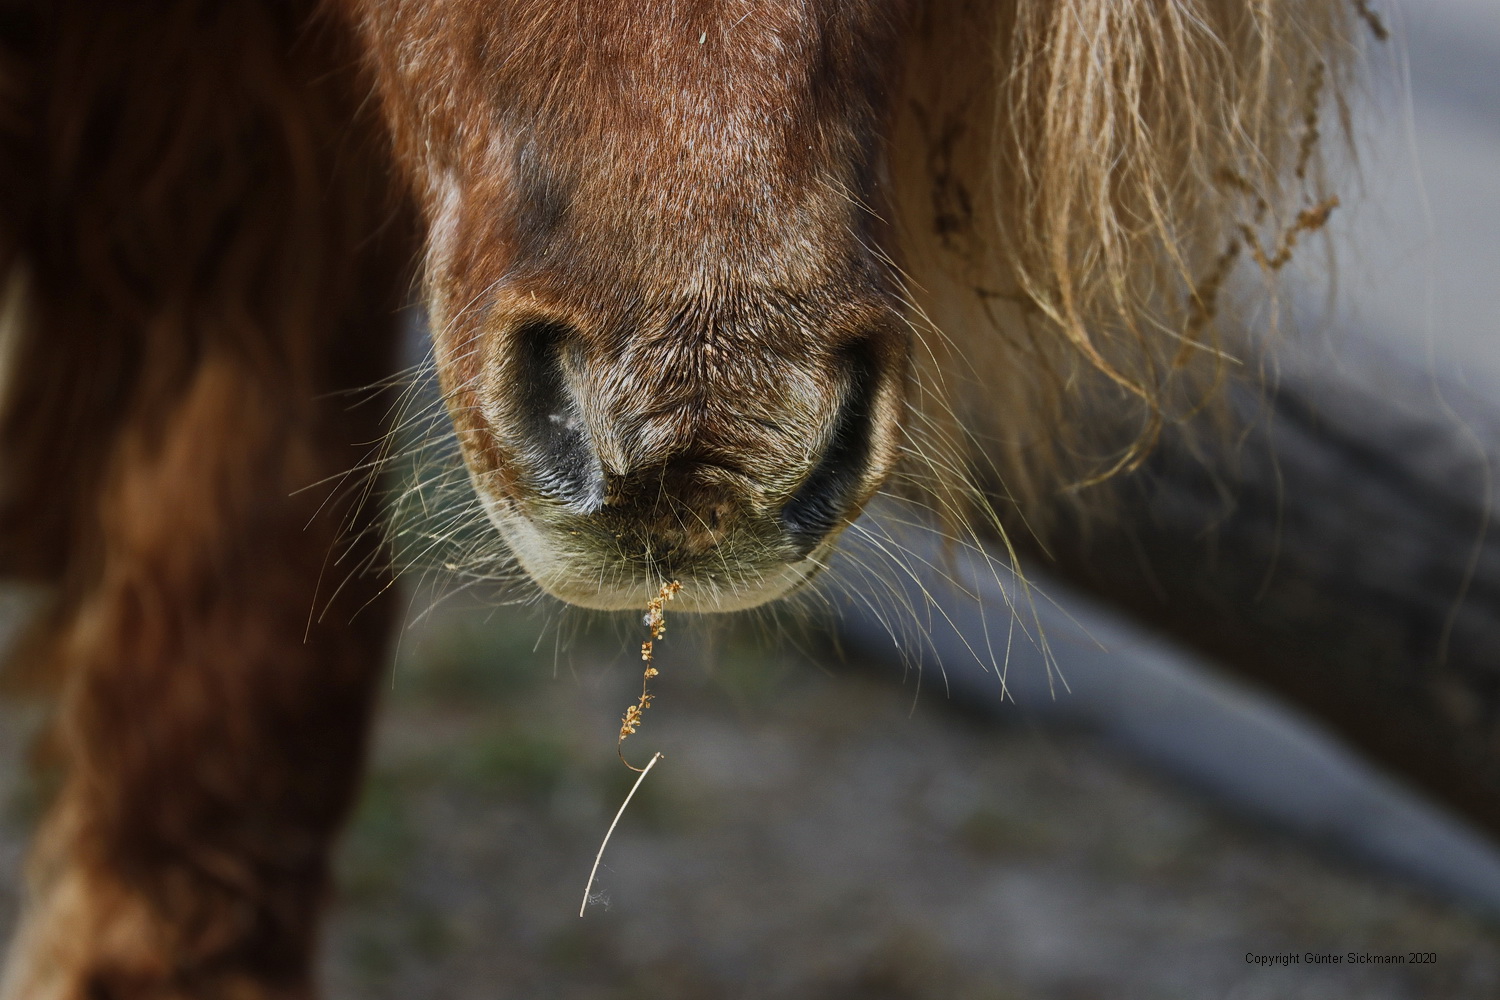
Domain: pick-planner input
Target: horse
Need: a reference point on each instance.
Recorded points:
(702, 277)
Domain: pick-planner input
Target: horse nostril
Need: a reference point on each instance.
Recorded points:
(560, 455)
(834, 486)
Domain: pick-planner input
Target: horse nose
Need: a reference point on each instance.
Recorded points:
(788, 464)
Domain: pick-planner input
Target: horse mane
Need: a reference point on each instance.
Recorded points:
(1080, 186)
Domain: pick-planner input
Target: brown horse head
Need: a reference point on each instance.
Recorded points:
(665, 325)
(661, 282)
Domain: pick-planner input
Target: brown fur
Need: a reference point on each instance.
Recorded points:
(691, 200)
(206, 237)
(727, 225)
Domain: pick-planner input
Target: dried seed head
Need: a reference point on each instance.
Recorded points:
(655, 620)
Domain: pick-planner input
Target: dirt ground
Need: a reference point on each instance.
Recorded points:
(814, 832)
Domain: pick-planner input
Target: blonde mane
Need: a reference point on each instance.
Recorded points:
(1079, 188)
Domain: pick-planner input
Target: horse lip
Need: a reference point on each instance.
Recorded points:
(565, 552)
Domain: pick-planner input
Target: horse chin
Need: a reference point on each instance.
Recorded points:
(700, 595)
(583, 574)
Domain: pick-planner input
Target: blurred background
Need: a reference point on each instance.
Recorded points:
(835, 818)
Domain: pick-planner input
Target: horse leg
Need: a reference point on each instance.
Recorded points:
(212, 254)
(211, 738)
